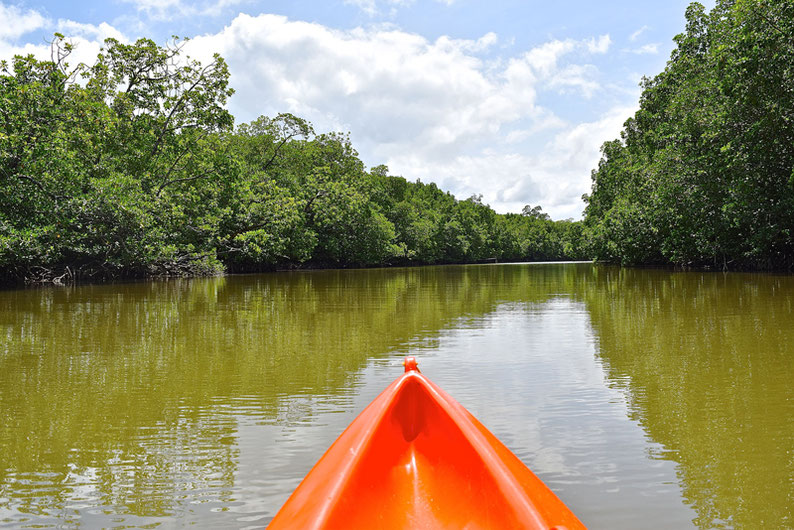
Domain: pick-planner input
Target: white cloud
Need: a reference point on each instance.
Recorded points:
(600, 45)
(368, 6)
(634, 36)
(87, 39)
(158, 9)
(541, 124)
(375, 7)
(572, 154)
(577, 77)
(647, 49)
(386, 84)
(543, 59)
(16, 22)
(89, 32)
(433, 110)
(165, 10)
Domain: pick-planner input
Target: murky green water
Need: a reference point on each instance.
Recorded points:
(645, 399)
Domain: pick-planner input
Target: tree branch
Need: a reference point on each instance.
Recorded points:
(178, 105)
(275, 153)
(40, 186)
(185, 179)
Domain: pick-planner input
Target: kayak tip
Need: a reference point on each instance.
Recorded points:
(410, 364)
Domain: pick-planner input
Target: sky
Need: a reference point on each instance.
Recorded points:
(508, 99)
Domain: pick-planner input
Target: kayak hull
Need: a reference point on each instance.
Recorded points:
(416, 458)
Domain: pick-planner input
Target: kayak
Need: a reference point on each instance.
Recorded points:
(415, 458)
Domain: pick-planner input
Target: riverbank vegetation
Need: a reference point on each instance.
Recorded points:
(132, 167)
(703, 174)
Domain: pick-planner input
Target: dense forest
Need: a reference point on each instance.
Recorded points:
(132, 167)
(703, 174)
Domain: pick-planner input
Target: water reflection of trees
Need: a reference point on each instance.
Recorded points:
(706, 363)
(102, 388)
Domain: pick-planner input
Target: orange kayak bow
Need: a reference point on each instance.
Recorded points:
(415, 458)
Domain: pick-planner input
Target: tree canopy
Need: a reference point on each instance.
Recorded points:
(703, 174)
(133, 167)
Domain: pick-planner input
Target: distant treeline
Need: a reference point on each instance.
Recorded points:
(703, 175)
(131, 167)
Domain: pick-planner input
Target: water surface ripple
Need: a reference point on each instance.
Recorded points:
(644, 399)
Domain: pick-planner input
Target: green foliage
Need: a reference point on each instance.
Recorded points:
(131, 167)
(102, 175)
(702, 173)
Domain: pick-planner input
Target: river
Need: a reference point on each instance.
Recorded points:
(643, 398)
